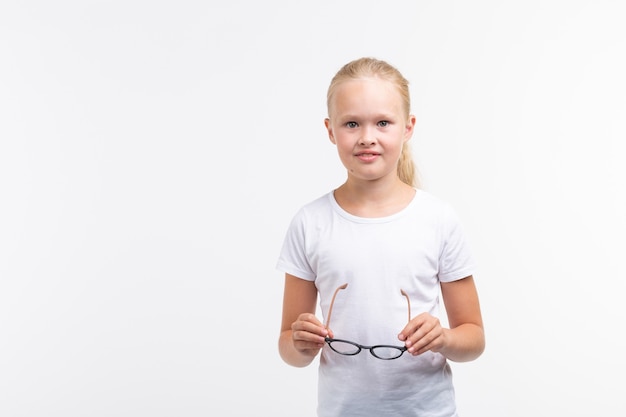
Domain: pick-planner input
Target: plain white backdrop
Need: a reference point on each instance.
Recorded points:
(152, 154)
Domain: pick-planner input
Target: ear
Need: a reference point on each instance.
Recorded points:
(409, 128)
(329, 128)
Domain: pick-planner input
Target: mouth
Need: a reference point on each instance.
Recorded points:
(367, 156)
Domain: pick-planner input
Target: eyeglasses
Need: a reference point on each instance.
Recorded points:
(346, 347)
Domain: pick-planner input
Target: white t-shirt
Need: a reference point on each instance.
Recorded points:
(412, 250)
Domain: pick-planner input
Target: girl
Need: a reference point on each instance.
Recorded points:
(379, 252)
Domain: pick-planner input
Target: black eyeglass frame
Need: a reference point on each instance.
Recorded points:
(330, 341)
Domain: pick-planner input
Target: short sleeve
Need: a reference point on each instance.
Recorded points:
(456, 260)
(293, 259)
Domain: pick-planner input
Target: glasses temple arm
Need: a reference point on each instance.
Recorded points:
(408, 301)
(332, 302)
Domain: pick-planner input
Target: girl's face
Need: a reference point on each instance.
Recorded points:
(368, 124)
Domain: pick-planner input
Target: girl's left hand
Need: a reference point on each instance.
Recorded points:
(423, 333)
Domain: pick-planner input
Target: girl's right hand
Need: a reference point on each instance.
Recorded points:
(308, 334)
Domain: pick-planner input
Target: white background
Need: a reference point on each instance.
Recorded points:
(152, 154)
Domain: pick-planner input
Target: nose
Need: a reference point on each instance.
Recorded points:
(368, 138)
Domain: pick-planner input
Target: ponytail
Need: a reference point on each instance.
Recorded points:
(406, 167)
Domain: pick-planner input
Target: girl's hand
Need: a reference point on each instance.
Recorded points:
(308, 334)
(423, 333)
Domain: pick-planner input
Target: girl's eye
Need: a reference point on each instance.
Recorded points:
(383, 123)
(351, 124)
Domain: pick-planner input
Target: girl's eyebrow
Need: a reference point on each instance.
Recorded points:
(380, 116)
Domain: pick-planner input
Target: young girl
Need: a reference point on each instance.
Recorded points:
(379, 252)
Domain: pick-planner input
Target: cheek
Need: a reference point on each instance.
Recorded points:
(345, 152)
(345, 149)
(341, 144)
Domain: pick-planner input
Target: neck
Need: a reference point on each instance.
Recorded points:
(373, 198)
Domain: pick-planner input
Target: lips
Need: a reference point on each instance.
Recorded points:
(367, 156)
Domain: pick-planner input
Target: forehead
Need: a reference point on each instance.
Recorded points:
(366, 92)
(365, 85)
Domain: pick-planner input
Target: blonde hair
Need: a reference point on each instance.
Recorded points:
(374, 68)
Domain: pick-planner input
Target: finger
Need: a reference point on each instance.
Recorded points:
(426, 338)
(433, 346)
(306, 336)
(305, 340)
(305, 326)
(311, 318)
(308, 345)
(412, 327)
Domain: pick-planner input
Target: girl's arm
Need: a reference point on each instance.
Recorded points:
(301, 334)
(465, 340)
